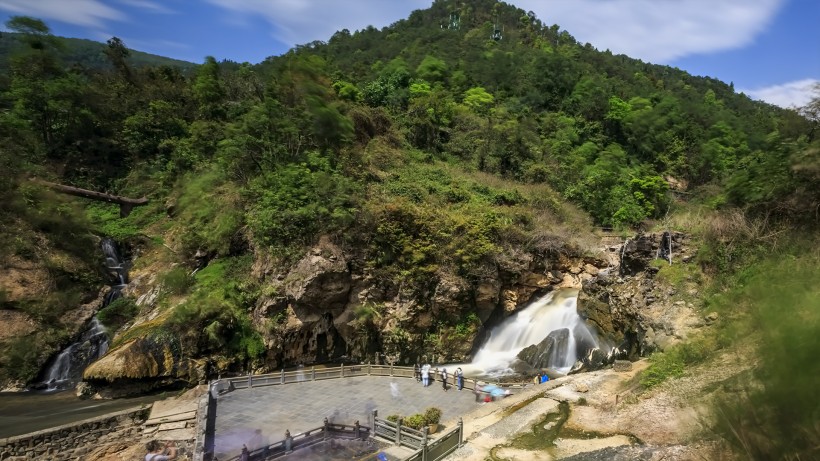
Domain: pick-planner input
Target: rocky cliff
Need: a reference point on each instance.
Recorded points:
(330, 306)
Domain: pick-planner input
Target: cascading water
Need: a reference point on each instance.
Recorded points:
(67, 367)
(555, 311)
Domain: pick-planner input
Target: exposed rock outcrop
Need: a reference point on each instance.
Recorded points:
(633, 308)
(538, 355)
(142, 364)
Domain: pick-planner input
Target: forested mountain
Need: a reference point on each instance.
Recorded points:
(449, 149)
(87, 54)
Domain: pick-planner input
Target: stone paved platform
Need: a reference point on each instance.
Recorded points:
(302, 406)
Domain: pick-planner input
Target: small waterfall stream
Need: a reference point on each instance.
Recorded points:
(555, 311)
(66, 369)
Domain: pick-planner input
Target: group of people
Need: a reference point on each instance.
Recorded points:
(541, 378)
(424, 373)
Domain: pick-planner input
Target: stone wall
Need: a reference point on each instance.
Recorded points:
(75, 441)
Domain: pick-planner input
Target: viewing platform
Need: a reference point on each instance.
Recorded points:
(298, 401)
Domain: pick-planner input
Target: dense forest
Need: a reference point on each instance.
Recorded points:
(433, 144)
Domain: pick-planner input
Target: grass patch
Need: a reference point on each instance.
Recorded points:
(118, 313)
(176, 281)
(672, 363)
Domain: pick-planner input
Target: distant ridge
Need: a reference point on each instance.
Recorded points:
(90, 54)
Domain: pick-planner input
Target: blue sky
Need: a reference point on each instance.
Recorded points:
(770, 49)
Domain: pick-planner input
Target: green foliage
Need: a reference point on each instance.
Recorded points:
(468, 325)
(478, 99)
(432, 415)
(118, 313)
(215, 317)
(210, 212)
(416, 421)
(775, 415)
(672, 363)
(432, 69)
(290, 205)
(176, 281)
(107, 221)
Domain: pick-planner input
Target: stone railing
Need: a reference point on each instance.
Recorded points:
(302, 440)
(343, 371)
(424, 448)
(76, 440)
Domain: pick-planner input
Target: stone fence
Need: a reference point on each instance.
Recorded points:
(76, 440)
(344, 371)
(424, 449)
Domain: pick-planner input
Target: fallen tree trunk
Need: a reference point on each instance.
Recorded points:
(126, 204)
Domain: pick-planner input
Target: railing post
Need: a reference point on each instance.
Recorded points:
(313, 373)
(424, 443)
(398, 431)
(282, 379)
(391, 369)
(460, 431)
(343, 370)
(356, 428)
(250, 380)
(368, 368)
(326, 429)
(373, 416)
(288, 442)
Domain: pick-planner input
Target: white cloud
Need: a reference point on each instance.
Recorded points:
(91, 13)
(302, 21)
(653, 30)
(658, 30)
(788, 95)
(152, 7)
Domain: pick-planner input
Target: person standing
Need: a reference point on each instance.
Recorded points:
(417, 372)
(425, 375)
(459, 375)
(444, 379)
(159, 452)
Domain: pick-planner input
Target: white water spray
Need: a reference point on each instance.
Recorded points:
(530, 326)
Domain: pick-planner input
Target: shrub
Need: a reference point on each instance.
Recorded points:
(176, 281)
(394, 418)
(432, 415)
(416, 421)
(118, 313)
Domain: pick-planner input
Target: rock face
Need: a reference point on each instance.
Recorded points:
(632, 308)
(140, 365)
(330, 306)
(637, 253)
(319, 282)
(539, 355)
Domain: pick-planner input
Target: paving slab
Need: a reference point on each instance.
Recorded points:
(302, 406)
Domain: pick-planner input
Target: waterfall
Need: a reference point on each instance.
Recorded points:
(67, 367)
(531, 325)
(69, 364)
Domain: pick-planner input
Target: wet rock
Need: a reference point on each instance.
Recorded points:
(554, 345)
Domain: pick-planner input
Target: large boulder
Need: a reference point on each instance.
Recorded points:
(319, 282)
(152, 358)
(637, 253)
(553, 347)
